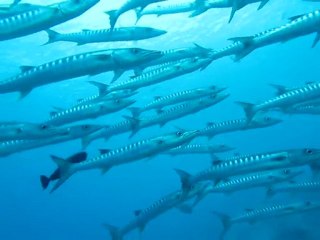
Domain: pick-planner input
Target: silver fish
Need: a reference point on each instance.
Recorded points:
(286, 100)
(90, 63)
(129, 5)
(255, 215)
(126, 154)
(28, 131)
(293, 187)
(41, 18)
(88, 111)
(73, 132)
(105, 35)
(143, 217)
(160, 102)
(251, 163)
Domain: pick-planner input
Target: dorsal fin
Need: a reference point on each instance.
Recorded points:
(210, 124)
(86, 30)
(296, 17)
(157, 97)
(53, 113)
(248, 209)
(104, 151)
(26, 68)
(244, 40)
(216, 162)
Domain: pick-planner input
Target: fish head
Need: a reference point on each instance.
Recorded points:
(304, 156)
(175, 139)
(83, 130)
(285, 174)
(42, 130)
(121, 102)
(213, 99)
(127, 58)
(75, 6)
(264, 121)
(147, 31)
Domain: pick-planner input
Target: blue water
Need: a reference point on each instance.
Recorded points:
(88, 199)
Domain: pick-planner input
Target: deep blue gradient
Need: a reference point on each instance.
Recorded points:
(88, 199)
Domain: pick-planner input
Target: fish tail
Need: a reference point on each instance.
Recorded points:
(226, 222)
(52, 35)
(262, 4)
(135, 111)
(248, 109)
(102, 87)
(138, 12)
(65, 171)
(185, 179)
(44, 181)
(113, 17)
(114, 232)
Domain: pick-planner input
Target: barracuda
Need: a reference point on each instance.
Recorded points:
(199, 149)
(234, 4)
(16, 8)
(74, 132)
(303, 109)
(127, 154)
(175, 112)
(102, 97)
(28, 131)
(41, 18)
(214, 129)
(168, 7)
(90, 63)
(108, 131)
(159, 102)
(251, 163)
(129, 5)
(106, 35)
(260, 179)
(88, 111)
(298, 26)
(311, 186)
(255, 215)
(143, 217)
(177, 54)
(154, 76)
(286, 100)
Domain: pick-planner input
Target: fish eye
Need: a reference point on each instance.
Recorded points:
(308, 151)
(286, 171)
(85, 126)
(179, 134)
(135, 50)
(267, 118)
(43, 126)
(117, 100)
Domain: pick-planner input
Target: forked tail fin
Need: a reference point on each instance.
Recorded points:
(52, 35)
(139, 14)
(44, 181)
(248, 108)
(135, 111)
(65, 171)
(114, 232)
(113, 17)
(185, 179)
(226, 222)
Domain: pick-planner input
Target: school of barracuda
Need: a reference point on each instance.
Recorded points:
(275, 170)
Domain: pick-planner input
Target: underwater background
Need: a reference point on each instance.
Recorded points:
(85, 202)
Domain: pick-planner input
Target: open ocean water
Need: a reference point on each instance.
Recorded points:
(89, 199)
